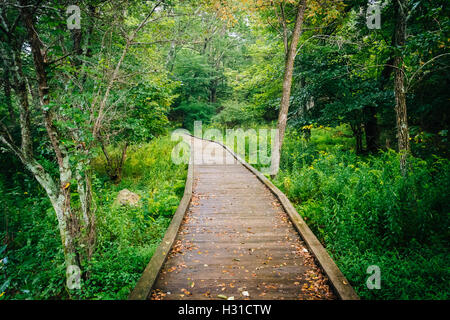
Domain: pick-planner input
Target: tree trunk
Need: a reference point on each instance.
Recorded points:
(399, 83)
(357, 132)
(286, 95)
(7, 92)
(371, 129)
(122, 162)
(84, 188)
(24, 109)
(59, 197)
(213, 92)
(114, 165)
(60, 200)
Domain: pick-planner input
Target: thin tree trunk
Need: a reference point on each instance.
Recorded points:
(68, 224)
(213, 92)
(112, 80)
(7, 92)
(357, 132)
(114, 165)
(287, 83)
(122, 162)
(399, 83)
(84, 188)
(24, 110)
(371, 129)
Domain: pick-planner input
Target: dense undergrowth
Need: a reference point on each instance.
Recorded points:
(127, 236)
(366, 213)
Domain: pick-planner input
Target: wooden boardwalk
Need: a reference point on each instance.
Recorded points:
(236, 240)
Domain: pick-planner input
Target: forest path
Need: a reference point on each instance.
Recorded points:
(236, 240)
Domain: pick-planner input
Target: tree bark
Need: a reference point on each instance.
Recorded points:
(400, 7)
(286, 94)
(7, 93)
(84, 188)
(122, 162)
(371, 129)
(357, 132)
(24, 110)
(59, 196)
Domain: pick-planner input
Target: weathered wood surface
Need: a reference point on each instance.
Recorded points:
(236, 240)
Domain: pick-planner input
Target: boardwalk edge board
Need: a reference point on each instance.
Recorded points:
(145, 284)
(340, 284)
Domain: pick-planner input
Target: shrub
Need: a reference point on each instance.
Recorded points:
(190, 111)
(233, 114)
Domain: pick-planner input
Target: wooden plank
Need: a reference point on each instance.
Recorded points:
(340, 284)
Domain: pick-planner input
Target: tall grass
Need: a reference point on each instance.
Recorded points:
(366, 213)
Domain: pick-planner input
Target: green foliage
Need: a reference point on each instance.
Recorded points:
(233, 114)
(194, 74)
(149, 104)
(259, 83)
(366, 213)
(35, 262)
(190, 111)
(127, 236)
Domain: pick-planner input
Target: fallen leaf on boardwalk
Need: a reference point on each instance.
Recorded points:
(221, 296)
(230, 298)
(186, 292)
(245, 293)
(270, 286)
